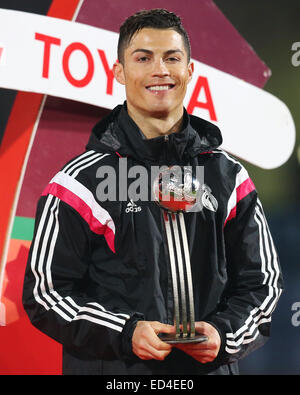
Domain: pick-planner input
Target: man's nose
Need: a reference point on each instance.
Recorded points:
(160, 69)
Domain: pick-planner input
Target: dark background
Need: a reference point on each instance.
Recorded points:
(271, 27)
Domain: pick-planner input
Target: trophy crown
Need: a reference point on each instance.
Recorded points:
(176, 189)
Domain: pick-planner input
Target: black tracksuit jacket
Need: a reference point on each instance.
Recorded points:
(96, 267)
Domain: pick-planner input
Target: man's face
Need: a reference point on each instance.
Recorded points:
(155, 73)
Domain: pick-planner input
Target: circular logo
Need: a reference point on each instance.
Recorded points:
(176, 189)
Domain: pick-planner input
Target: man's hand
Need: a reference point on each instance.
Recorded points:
(145, 342)
(206, 351)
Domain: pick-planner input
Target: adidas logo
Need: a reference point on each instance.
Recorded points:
(132, 207)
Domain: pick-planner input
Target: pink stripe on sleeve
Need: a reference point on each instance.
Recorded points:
(242, 191)
(83, 210)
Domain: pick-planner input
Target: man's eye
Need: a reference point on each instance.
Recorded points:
(172, 59)
(143, 59)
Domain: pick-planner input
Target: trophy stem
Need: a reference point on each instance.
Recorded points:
(184, 319)
(184, 314)
(188, 274)
(173, 271)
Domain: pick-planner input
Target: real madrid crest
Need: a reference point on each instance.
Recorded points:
(208, 200)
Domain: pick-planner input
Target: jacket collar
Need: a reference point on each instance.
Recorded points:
(119, 133)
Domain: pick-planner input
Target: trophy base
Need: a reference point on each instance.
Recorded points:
(172, 339)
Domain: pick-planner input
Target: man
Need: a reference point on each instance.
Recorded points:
(97, 278)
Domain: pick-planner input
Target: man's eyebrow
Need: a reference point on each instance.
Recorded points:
(142, 50)
(169, 52)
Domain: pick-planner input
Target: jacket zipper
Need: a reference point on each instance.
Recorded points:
(166, 149)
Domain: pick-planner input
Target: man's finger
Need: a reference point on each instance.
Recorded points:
(160, 354)
(162, 328)
(153, 350)
(145, 342)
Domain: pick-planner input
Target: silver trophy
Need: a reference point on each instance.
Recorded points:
(176, 190)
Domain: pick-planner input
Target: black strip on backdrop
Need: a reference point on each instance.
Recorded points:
(7, 96)
(34, 6)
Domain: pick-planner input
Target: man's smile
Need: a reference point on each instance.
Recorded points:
(161, 87)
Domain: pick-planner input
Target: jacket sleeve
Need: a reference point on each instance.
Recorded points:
(254, 278)
(54, 294)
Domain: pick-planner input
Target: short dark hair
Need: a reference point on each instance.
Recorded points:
(157, 18)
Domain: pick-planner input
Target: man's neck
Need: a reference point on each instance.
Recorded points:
(153, 127)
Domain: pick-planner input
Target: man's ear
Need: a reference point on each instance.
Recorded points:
(190, 71)
(118, 71)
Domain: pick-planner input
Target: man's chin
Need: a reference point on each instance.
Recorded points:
(159, 111)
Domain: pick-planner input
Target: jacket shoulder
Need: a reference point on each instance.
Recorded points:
(227, 160)
(81, 172)
(84, 162)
